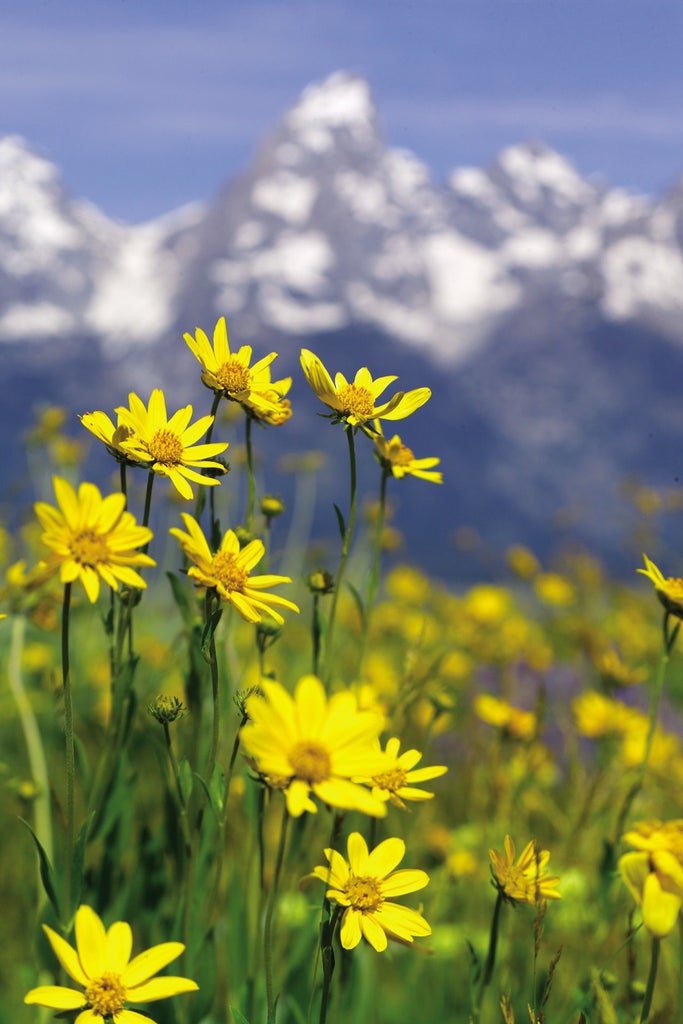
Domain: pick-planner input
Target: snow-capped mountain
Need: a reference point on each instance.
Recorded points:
(530, 297)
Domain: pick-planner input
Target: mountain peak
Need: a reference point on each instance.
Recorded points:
(19, 162)
(340, 100)
(533, 166)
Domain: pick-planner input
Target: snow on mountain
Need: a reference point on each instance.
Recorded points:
(329, 227)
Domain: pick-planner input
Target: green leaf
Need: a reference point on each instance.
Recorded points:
(358, 602)
(341, 522)
(186, 780)
(47, 874)
(238, 1017)
(217, 789)
(78, 861)
(208, 634)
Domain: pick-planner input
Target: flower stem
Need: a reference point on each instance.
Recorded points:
(328, 962)
(268, 925)
(487, 973)
(668, 640)
(70, 752)
(215, 695)
(652, 976)
(148, 501)
(32, 737)
(251, 483)
(373, 578)
(346, 546)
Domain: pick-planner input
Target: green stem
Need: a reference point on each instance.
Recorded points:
(251, 483)
(32, 737)
(328, 963)
(652, 976)
(215, 694)
(70, 753)
(124, 482)
(182, 807)
(148, 501)
(667, 646)
(316, 633)
(271, 999)
(490, 957)
(346, 546)
(373, 578)
(212, 501)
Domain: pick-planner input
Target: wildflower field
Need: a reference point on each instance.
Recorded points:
(233, 792)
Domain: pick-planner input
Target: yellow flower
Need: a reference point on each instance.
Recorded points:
(597, 715)
(522, 561)
(314, 745)
(229, 572)
(168, 446)
(400, 460)
(554, 589)
(654, 874)
(355, 402)
(514, 721)
(230, 374)
(92, 538)
(364, 885)
(102, 966)
(99, 424)
(268, 403)
(393, 783)
(523, 881)
(669, 590)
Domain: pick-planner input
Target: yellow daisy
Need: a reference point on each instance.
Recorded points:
(167, 446)
(102, 966)
(400, 460)
(314, 745)
(99, 424)
(523, 881)
(230, 373)
(669, 590)
(394, 782)
(354, 402)
(92, 538)
(654, 874)
(364, 885)
(228, 571)
(270, 404)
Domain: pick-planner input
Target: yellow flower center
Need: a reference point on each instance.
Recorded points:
(89, 548)
(166, 448)
(233, 377)
(392, 780)
(310, 761)
(106, 995)
(228, 572)
(363, 893)
(404, 456)
(356, 401)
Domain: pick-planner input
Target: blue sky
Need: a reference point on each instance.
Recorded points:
(147, 104)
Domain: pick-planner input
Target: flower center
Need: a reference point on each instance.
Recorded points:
(166, 448)
(391, 780)
(228, 572)
(106, 995)
(233, 377)
(356, 401)
(89, 548)
(404, 456)
(363, 893)
(310, 761)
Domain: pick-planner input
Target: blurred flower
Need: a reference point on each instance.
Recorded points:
(355, 402)
(229, 572)
(554, 589)
(597, 715)
(230, 374)
(614, 672)
(271, 506)
(514, 721)
(522, 561)
(654, 874)
(101, 965)
(314, 745)
(364, 885)
(400, 460)
(523, 881)
(92, 538)
(393, 783)
(487, 604)
(669, 590)
(168, 446)
(268, 403)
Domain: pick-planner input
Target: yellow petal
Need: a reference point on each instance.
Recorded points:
(385, 857)
(160, 988)
(148, 963)
(660, 909)
(67, 956)
(55, 997)
(373, 932)
(90, 941)
(350, 933)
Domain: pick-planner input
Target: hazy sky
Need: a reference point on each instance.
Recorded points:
(147, 104)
